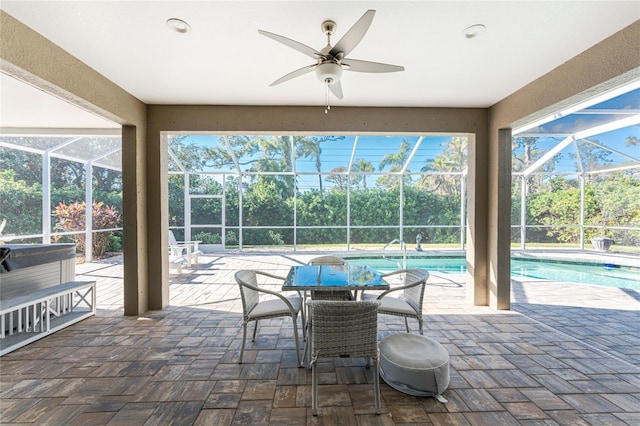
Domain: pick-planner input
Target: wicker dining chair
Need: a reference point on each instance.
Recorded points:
(329, 260)
(409, 304)
(343, 329)
(278, 306)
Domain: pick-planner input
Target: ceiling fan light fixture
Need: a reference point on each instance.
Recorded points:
(178, 25)
(329, 73)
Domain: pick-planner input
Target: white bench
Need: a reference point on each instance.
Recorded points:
(27, 318)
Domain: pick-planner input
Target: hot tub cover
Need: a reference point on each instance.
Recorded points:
(18, 256)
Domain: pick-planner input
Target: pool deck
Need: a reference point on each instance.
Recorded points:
(566, 354)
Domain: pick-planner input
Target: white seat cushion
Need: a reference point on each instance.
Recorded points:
(393, 304)
(274, 307)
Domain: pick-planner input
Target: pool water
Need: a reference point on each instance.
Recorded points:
(584, 273)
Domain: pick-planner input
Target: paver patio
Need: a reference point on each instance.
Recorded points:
(565, 354)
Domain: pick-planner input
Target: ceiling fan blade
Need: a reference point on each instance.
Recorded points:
(336, 89)
(366, 66)
(303, 48)
(294, 74)
(354, 35)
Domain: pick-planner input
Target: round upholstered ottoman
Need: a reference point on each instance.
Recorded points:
(414, 364)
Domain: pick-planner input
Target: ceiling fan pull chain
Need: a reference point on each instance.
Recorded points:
(326, 98)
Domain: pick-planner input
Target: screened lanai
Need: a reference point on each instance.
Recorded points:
(336, 191)
(48, 179)
(576, 176)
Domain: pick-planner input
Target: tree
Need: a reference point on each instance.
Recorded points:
(30, 170)
(339, 177)
(558, 204)
(632, 141)
(526, 152)
(452, 159)
(396, 162)
(591, 155)
(310, 147)
(397, 159)
(363, 166)
(21, 204)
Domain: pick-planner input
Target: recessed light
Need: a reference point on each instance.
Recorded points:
(178, 25)
(474, 31)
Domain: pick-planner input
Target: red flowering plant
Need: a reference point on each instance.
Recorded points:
(72, 218)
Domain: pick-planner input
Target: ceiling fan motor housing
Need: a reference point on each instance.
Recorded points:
(329, 72)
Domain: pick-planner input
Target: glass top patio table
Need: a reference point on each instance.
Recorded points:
(330, 277)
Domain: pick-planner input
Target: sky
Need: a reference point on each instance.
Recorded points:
(338, 152)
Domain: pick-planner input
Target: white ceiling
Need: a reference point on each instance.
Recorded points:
(224, 61)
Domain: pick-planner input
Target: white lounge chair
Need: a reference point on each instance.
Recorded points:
(187, 250)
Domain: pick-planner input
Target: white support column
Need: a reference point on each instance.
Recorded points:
(582, 200)
(349, 212)
(401, 207)
(353, 156)
(187, 208)
(295, 193)
(523, 212)
(46, 198)
(463, 217)
(223, 219)
(88, 199)
(240, 219)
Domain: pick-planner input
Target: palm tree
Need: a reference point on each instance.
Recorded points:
(396, 161)
(310, 147)
(632, 141)
(452, 159)
(364, 166)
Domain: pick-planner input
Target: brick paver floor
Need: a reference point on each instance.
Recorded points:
(565, 354)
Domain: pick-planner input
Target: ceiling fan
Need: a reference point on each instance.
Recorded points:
(331, 60)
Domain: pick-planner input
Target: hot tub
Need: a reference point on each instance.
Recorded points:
(28, 267)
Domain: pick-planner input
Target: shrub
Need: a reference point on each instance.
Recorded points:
(72, 217)
(207, 238)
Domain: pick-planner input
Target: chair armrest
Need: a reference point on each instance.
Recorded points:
(193, 245)
(424, 276)
(398, 288)
(422, 273)
(179, 250)
(185, 248)
(273, 293)
(267, 274)
(392, 273)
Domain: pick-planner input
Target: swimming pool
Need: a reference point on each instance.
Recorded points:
(578, 272)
